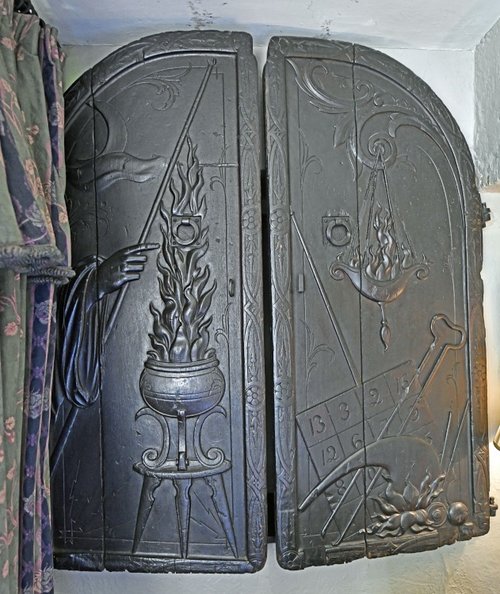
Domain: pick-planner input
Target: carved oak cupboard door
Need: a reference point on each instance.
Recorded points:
(159, 454)
(375, 241)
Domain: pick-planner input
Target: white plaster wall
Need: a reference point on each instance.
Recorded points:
(464, 568)
(487, 92)
(445, 24)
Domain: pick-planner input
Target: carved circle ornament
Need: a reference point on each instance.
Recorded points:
(337, 231)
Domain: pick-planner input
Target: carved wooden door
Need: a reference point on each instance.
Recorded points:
(375, 246)
(159, 448)
(378, 349)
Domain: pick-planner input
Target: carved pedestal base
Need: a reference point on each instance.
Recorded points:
(182, 480)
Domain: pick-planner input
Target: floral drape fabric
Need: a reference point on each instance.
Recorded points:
(34, 247)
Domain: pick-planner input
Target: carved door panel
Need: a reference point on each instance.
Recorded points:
(165, 364)
(375, 238)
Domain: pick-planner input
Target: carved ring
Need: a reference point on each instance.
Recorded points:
(338, 232)
(185, 230)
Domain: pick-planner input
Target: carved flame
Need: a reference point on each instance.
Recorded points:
(180, 326)
(383, 259)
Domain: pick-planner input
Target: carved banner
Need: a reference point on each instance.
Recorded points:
(375, 241)
(159, 447)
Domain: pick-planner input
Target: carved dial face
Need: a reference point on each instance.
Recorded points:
(370, 268)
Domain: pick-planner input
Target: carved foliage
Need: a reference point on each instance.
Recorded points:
(281, 308)
(253, 317)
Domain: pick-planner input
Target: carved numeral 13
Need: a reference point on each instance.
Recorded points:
(317, 424)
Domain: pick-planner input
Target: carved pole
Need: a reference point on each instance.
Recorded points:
(331, 314)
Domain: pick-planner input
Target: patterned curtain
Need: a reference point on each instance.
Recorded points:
(34, 244)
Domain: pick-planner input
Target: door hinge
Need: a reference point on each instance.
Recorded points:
(263, 190)
(493, 507)
(485, 213)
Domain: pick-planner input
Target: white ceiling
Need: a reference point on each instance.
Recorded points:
(429, 24)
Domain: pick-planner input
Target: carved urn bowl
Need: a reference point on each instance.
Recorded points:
(182, 389)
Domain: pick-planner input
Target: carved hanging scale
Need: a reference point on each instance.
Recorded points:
(377, 348)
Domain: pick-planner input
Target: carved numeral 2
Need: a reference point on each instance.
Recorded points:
(374, 396)
(328, 455)
(344, 411)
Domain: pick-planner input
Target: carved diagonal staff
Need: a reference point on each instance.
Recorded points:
(331, 314)
(68, 425)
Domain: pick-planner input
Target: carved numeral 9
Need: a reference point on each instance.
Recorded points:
(344, 411)
(403, 384)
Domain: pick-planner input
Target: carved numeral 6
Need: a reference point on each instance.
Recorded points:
(356, 441)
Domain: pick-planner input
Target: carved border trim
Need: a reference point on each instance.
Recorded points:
(138, 563)
(253, 307)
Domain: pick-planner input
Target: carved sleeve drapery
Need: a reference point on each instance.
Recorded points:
(80, 341)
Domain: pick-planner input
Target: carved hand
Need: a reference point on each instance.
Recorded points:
(123, 266)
